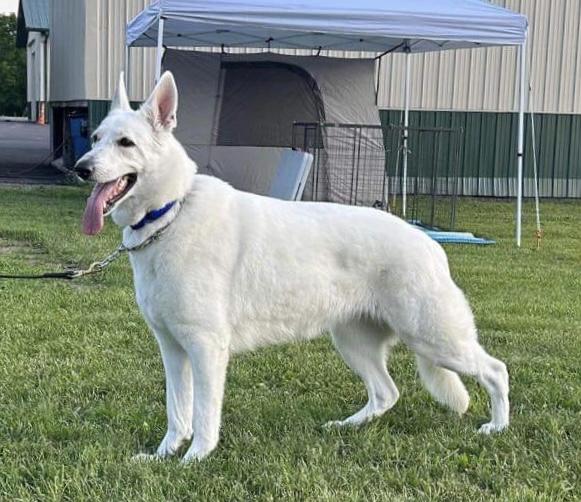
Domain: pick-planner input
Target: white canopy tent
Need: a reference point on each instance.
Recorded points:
(378, 26)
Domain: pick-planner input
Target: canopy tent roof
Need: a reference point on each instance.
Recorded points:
(366, 25)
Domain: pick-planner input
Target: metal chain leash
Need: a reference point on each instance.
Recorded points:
(97, 266)
(73, 273)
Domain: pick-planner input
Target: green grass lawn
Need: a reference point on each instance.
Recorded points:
(82, 386)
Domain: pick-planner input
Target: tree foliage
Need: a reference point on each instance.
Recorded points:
(12, 69)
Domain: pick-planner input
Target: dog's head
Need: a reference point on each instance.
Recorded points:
(131, 154)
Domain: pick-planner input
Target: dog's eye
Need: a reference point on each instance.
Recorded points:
(125, 142)
(94, 139)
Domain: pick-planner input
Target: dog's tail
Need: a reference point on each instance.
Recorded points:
(444, 385)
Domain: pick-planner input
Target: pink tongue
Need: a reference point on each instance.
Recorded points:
(93, 219)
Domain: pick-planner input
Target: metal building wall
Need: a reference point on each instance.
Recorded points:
(106, 38)
(477, 90)
(67, 50)
(487, 163)
(36, 74)
(87, 40)
(485, 79)
(472, 88)
(35, 67)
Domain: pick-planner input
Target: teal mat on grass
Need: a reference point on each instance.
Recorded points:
(452, 237)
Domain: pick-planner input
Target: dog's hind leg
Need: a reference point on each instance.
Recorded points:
(469, 358)
(441, 330)
(364, 346)
(209, 362)
(493, 376)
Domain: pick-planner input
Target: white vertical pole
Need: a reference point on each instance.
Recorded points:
(128, 71)
(41, 95)
(521, 115)
(159, 52)
(534, 149)
(406, 119)
(127, 62)
(43, 79)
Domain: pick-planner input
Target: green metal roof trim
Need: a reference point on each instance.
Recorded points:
(32, 16)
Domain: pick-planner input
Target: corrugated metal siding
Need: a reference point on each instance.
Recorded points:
(87, 40)
(106, 38)
(67, 50)
(98, 110)
(33, 67)
(487, 156)
(485, 79)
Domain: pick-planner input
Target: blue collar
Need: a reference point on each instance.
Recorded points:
(153, 215)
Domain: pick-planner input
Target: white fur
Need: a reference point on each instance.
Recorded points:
(237, 271)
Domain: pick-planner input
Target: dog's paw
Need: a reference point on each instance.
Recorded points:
(198, 452)
(171, 444)
(146, 457)
(190, 459)
(491, 427)
(195, 456)
(336, 424)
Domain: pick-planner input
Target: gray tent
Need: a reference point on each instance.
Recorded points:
(381, 26)
(237, 112)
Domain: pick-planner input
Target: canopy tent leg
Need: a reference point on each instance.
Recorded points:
(159, 50)
(520, 153)
(406, 118)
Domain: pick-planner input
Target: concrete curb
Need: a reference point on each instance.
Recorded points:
(15, 119)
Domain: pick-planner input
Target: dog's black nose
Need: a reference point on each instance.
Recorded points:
(83, 169)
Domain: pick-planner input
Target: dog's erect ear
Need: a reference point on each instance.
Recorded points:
(120, 100)
(162, 105)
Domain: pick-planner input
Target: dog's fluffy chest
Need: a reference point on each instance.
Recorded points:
(153, 289)
(178, 276)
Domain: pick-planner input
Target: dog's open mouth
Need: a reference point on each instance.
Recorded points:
(103, 199)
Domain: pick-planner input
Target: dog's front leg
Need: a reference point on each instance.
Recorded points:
(179, 398)
(209, 362)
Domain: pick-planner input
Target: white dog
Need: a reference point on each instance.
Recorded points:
(235, 271)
